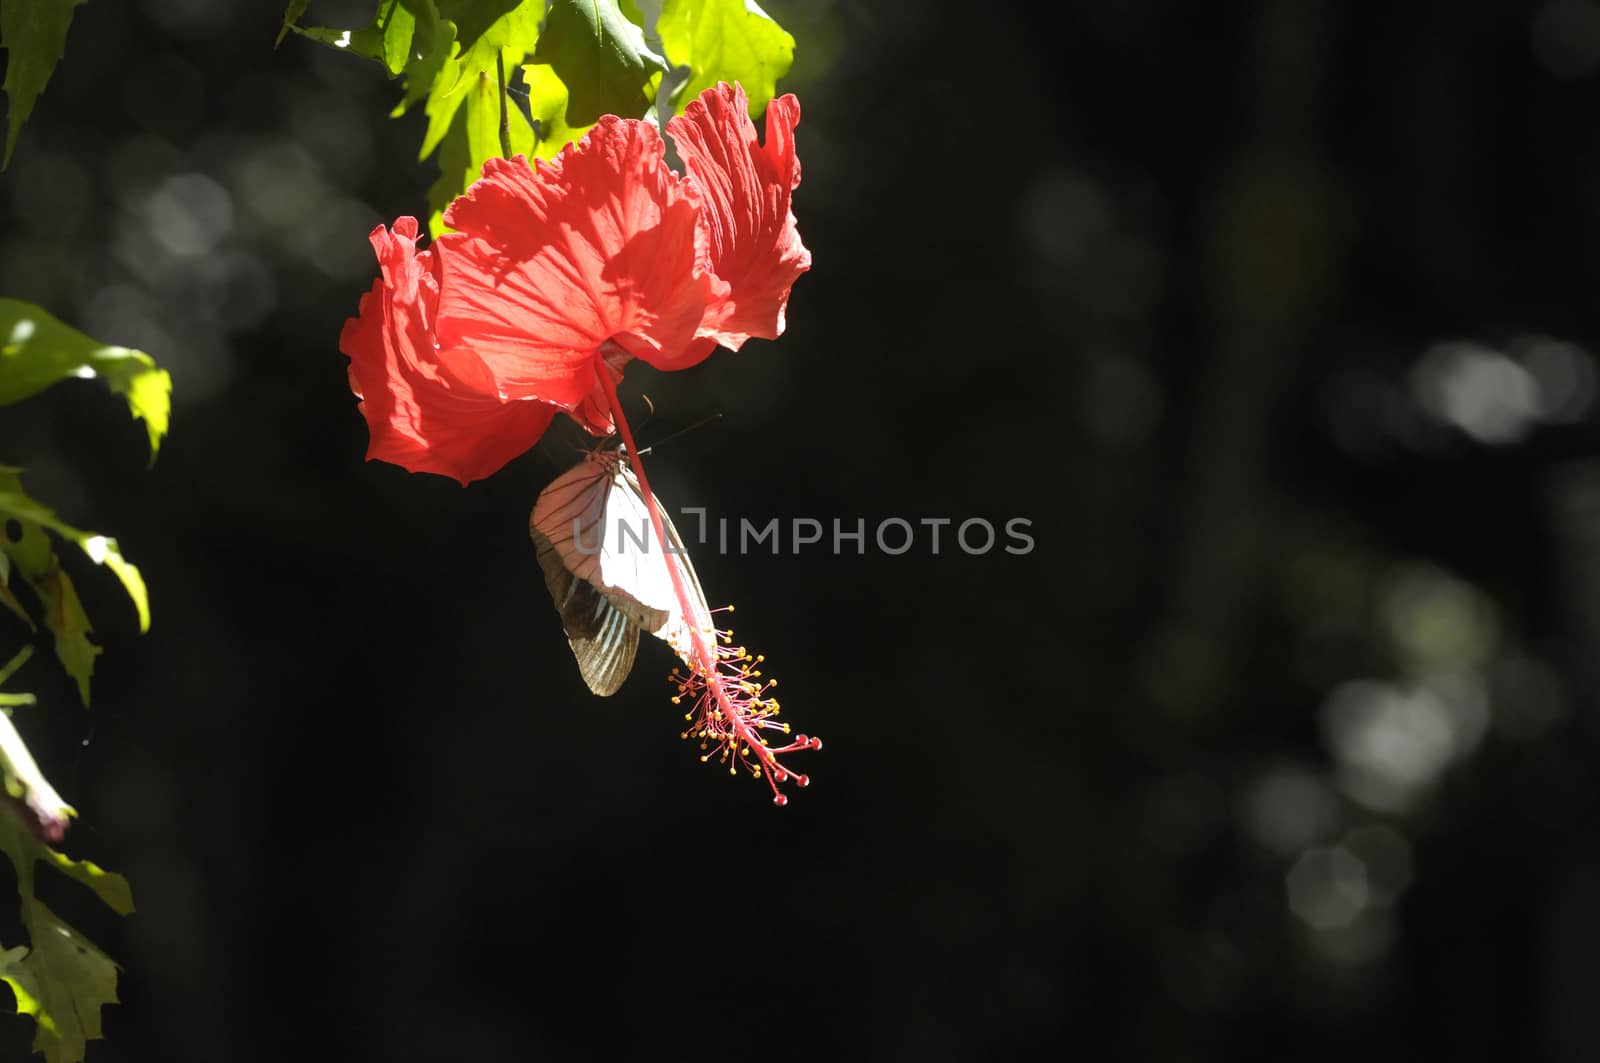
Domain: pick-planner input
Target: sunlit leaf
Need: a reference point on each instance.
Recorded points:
(726, 40)
(109, 886)
(433, 42)
(455, 162)
(33, 556)
(36, 350)
(485, 108)
(34, 35)
(62, 979)
(630, 10)
(464, 108)
(474, 138)
(507, 41)
(387, 39)
(547, 100)
(601, 57)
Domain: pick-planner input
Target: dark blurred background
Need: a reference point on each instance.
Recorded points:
(1276, 319)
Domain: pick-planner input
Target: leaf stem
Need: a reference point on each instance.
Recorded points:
(16, 662)
(505, 113)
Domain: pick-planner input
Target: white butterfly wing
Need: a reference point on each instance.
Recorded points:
(607, 574)
(645, 573)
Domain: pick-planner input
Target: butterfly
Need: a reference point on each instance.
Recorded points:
(606, 571)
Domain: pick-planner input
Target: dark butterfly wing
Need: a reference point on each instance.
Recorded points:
(603, 639)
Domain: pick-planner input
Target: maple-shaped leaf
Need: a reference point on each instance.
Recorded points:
(62, 980)
(725, 40)
(602, 58)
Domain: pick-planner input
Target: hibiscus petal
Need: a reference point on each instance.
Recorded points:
(601, 243)
(752, 243)
(427, 412)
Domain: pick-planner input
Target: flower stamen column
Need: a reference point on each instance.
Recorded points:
(733, 703)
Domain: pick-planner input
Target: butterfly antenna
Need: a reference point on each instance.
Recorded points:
(701, 423)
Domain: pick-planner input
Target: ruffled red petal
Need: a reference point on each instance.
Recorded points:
(547, 264)
(752, 242)
(427, 412)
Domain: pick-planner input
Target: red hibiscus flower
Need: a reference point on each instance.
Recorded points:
(559, 274)
(563, 272)
(752, 241)
(427, 410)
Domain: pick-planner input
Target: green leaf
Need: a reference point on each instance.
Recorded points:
(387, 39)
(473, 18)
(63, 979)
(109, 886)
(473, 137)
(600, 56)
(34, 35)
(39, 350)
(547, 101)
(35, 559)
(433, 42)
(454, 163)
(630, 10)
(464, 108)
(484, 106)
(509, 40)
(15, 503)
(726, 40)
